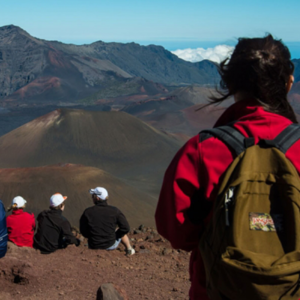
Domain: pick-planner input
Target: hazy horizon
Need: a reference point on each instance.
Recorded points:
(172, 24)
(189, 50)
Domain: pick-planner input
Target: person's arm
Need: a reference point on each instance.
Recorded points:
(181, 183)
(83, 227)
(123, 226)
(67, 233)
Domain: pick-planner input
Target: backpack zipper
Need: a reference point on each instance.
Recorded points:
(227, 203)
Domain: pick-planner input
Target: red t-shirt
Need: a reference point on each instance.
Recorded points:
(200, 166)
(20, 228)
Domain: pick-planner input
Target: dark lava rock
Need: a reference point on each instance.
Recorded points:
(160, 240)
(108, 292)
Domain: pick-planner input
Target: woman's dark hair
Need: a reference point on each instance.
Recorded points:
(262, 68)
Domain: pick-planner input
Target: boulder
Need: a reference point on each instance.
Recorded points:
(141, 227)
(108, 292)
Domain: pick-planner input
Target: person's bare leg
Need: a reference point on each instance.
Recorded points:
(125, 241)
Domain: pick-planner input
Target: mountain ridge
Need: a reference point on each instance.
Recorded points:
(42, 71)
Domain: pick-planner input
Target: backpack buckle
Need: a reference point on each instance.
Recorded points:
(267, 143)
(248, 142)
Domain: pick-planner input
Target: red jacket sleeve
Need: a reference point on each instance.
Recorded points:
(180, 183)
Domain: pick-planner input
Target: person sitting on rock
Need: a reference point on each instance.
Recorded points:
(54, 230)
(20, 224)
(99, 223)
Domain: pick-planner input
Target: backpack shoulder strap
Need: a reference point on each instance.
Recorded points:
(285, 139)
(230, 136)
(288, 137)
(238, 143)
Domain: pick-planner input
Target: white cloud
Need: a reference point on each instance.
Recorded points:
(216, 54)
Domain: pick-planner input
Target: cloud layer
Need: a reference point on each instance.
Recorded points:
(216, 54)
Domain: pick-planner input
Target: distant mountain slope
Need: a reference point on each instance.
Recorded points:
(172, 101)
(124, 90)
(42, 71)
(294, 95)
(36, 185)
(115, 142)
(176, 112)
(14, 117)
(151, 62)
(32, 69)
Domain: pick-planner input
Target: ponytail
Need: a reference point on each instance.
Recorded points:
(14, 206)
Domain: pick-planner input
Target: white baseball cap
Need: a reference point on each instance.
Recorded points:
(20, 201)
(100, 192)
(57, 199)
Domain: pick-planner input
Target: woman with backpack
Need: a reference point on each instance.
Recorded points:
(258, 75)
(20, 224)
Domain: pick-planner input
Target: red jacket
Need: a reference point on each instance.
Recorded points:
(20, 228)
(200, 166)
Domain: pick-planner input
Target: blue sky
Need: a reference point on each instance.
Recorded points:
(173, 24)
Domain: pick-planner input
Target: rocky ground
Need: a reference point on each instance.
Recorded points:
(156, 271)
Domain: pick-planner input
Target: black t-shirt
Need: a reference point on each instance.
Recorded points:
(99, 222)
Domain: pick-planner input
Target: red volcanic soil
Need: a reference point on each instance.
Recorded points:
(36, 87)
(115, 142)
(58, 59)
(75, 273)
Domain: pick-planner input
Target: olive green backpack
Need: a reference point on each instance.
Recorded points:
(251, 246)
